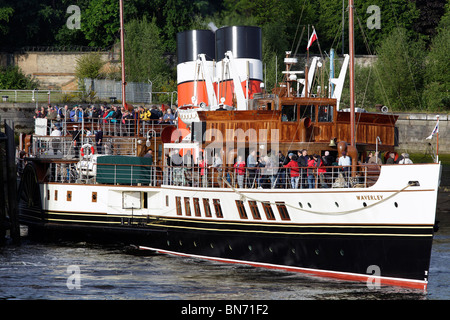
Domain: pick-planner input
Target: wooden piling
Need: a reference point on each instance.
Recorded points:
(11, 175)
(3, 224)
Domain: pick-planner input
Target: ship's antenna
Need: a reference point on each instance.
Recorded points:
(122, 53)
(352, 73)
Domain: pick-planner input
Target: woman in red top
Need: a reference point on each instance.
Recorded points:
(240, 171)
(311, 178)
(295, 171)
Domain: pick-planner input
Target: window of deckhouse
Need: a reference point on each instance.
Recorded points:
(178, 203)
(268, 211)
(187, 206)
(207, 207)
(325, 114)
(283, 211)
(254, 209)
(289, 113)
(241, 209)
(308, 111)
(217, 208)
(197, 208)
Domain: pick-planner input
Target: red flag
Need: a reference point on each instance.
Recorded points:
(312, 39)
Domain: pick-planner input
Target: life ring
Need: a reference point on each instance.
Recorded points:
(86, 147)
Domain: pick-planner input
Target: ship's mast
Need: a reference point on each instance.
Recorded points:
(122, 53)
(352, 73)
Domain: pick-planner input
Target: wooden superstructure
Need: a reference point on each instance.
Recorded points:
(297, 123)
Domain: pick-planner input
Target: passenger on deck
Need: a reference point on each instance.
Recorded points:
(251, 169)
(345, 161)
(76, 136)
(99, 140)
(391, 158)
(294, 170)
(406, 159)
(375, 159)
(56, 141)
(303, 163)
(168, 118)
(240, 171)
(310, 171)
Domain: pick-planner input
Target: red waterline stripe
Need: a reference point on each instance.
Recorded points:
(413, 284)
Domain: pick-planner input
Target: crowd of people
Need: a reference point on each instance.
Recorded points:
(115, 114)
(296, 170)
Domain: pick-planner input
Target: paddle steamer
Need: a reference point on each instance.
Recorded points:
(371, 222)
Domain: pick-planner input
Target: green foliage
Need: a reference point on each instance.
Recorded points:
(12, 77)
(89, 65)
(144, 49)
(400, 71)
(437, 77)
(5, 15)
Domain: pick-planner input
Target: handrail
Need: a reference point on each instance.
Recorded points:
(87, 171)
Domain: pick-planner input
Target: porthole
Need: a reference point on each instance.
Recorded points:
(270, 249)
(293, 250)
(229, 247)
(317, 251)
(337, 204)
(396, 204)
(364, 204)
(309, 204)
(181, 243)
(300, 204)
(168, 243)
(211, 245)
(250, 248)
(341, 252)
(195, 244)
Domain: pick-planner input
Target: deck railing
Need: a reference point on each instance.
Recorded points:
(86, 171)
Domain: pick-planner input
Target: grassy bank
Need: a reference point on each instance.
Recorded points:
(426, 158)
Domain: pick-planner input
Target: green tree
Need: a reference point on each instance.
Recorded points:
(437, 77)
(399, 70)
(144, 53)
(12, 77)
(5, 14)
(89, 65)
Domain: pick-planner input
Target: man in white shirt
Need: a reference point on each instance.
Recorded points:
(345, 161)
(55, 141)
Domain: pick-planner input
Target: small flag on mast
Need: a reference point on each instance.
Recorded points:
(312, 39)
(435, 130)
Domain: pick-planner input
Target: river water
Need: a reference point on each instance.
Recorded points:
(84, 271)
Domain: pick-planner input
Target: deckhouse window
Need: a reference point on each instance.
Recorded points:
(289, 113)
(283, 211)
(217, 208)
(241, 209)
(178, 202)
(308, 111)
(254, 209)
(325, 114)
(207, 208)
(268, 211)
(187, 206)
(197, 208)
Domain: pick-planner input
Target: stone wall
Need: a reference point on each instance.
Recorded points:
(413, 129)
(52, 69)
(56, 70)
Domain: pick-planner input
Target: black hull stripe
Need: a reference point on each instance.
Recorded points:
(238, 227)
